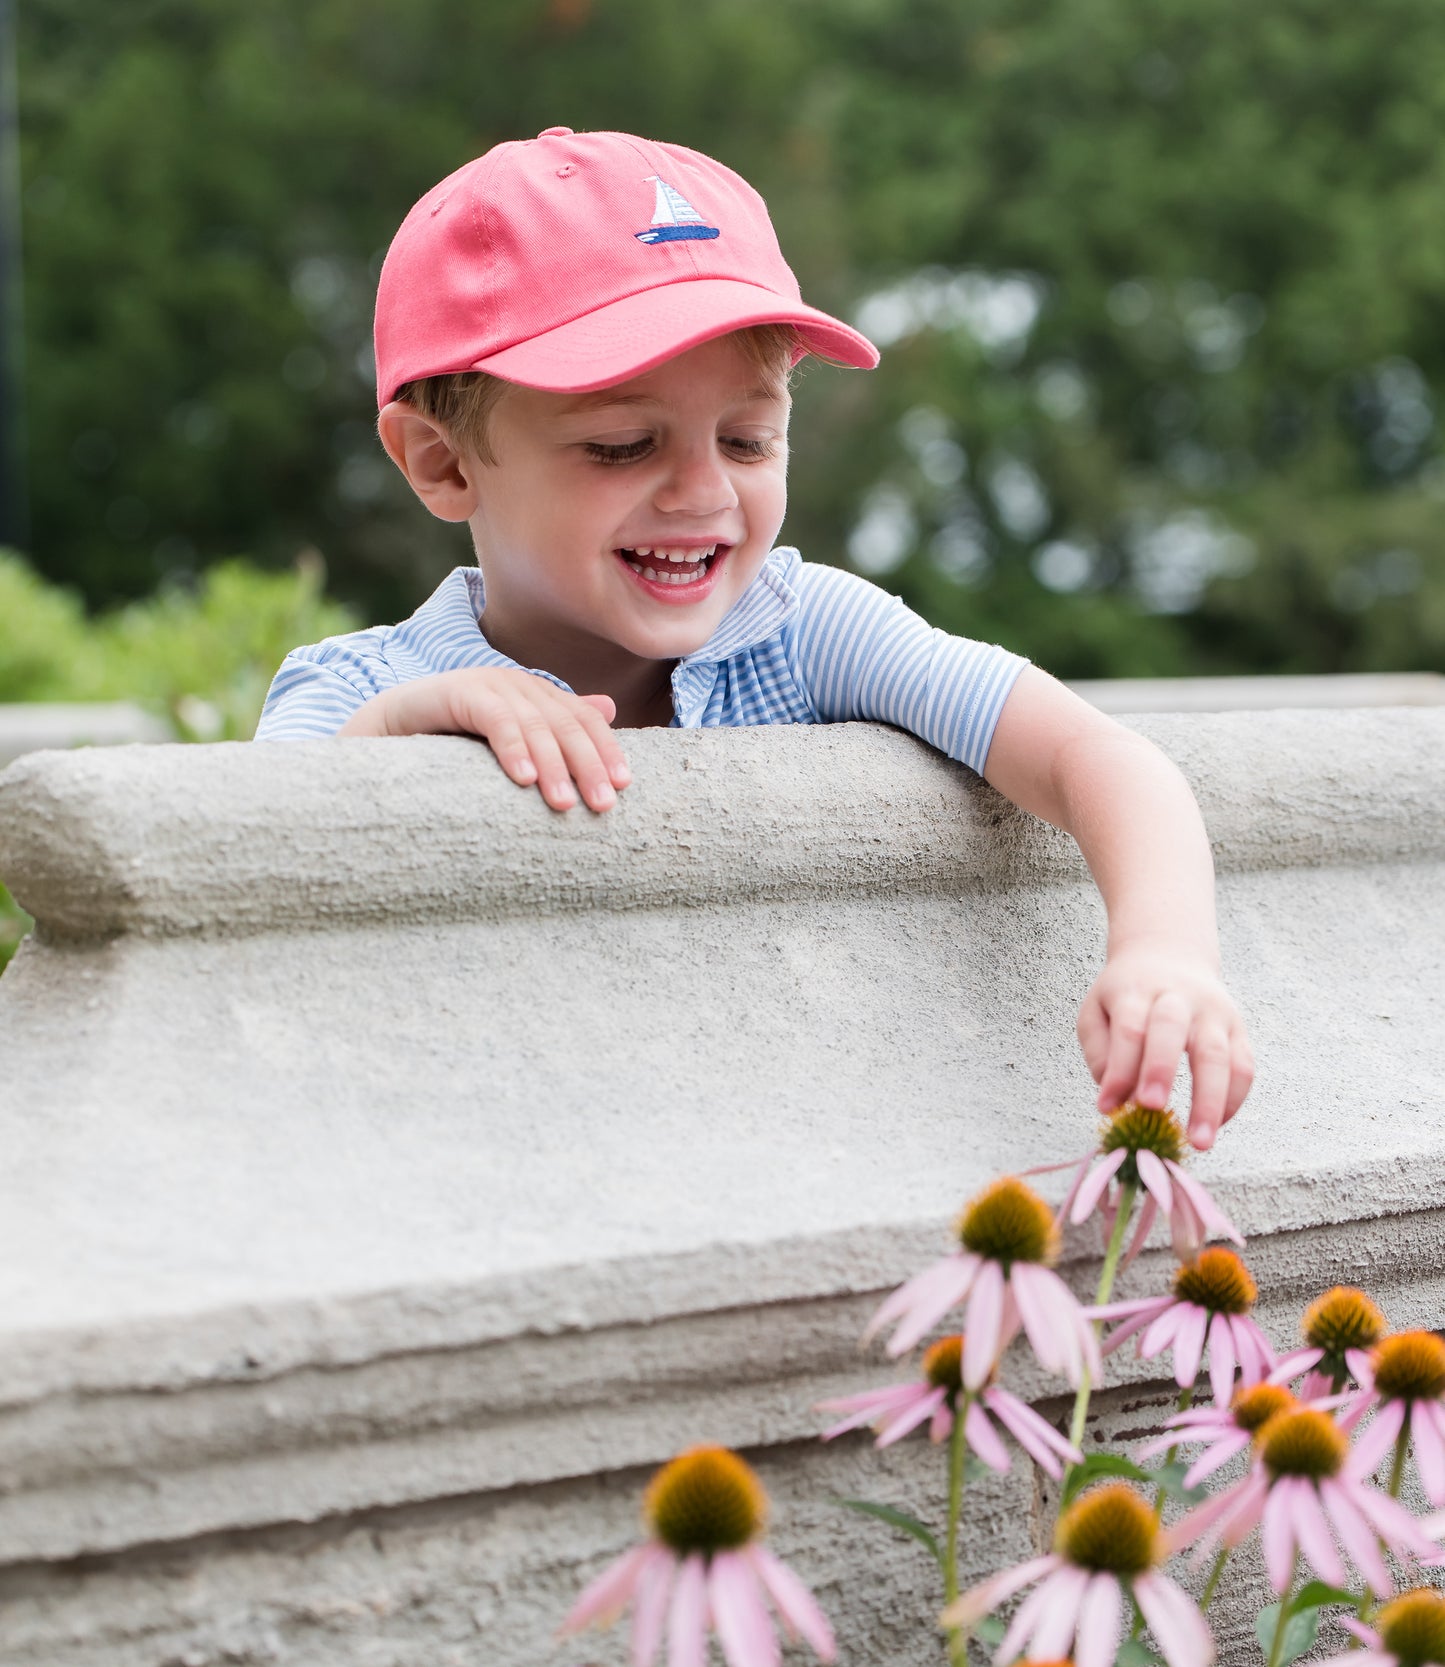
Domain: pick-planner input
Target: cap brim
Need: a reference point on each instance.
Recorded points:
(630, 336)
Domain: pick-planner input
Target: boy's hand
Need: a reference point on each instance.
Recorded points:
(1149, 1007)
(540, 733)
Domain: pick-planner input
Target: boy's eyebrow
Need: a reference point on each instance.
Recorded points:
(602, 397)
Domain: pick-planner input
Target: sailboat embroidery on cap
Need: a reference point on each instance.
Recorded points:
(674, 219)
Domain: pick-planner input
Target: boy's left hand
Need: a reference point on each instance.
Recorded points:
(1152, 1005)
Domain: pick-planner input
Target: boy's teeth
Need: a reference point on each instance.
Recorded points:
(675, 555)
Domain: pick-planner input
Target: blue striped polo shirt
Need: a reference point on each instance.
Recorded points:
(804, 644)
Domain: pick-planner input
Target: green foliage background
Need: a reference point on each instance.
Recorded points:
(1162, 287)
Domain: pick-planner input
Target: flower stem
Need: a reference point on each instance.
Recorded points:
(1397, 1469)
(1207, 1596)
(1128, 1192)
(1186, 1400)
(957, 1454)
(1282, 1618)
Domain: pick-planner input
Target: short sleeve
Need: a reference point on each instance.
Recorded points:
(311, 697)
(861, 653)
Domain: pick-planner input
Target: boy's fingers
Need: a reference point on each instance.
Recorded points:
(1209, 1067)
(1093, 1033)
(1241, 1076)
(595, 720)
(1164, 1041)
(1126, 1046)
(583, 758)
(604, 704)
(554, 779)
(504, 736)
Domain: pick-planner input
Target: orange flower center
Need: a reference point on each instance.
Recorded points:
(1110, 1529)
(1008, 1222)
(1143, 1129)
(1217, 1280)
(1411, 1366)
(705, 1500)
(1304, 1442)
(943, 1364)
(1343, 1318)
(1253, 1408)
(1413, 1627)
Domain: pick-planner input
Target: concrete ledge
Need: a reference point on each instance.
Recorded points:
(184, 839)
(394, 1170)
(1263, 694)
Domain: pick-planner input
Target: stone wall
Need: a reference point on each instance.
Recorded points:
(395, 1171)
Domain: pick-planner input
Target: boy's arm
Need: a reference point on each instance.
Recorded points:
(1160, 995)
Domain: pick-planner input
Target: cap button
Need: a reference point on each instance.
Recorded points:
(554, 133)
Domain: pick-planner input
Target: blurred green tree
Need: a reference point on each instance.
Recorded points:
(1160, 288)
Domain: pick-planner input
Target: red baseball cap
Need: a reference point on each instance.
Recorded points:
(573, 261)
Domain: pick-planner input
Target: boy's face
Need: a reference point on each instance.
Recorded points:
(593, 498)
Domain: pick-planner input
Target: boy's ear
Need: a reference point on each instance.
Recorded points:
(420, 447)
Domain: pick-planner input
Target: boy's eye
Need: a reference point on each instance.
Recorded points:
(628, 452)
(750, 448)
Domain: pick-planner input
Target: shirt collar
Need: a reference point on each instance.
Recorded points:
(759, 613)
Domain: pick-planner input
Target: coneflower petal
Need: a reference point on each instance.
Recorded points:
(869, 1407)
(1091, 1189)
(1377, 1438)
(1356, 1537)
(1277, 1536)
(795, 1603)
(1221, 1360)
(911, 1417)
(1216, 1458)
(978, 1600)
(1290, 1365)
(1312, 1531)
(739, 1613)
(1147, 1218)
(602, 1600)
(941, 1426)
(1099, 1616)
(983, 1325)
(1055, 1632)
(934, 1291)
(1213, 1217)
(1164, 1330)
(1189, 1343)
(1362, 1368)
(1156, 1178)
(1391, 1521)
(649, 1613)
(984, 1440)
(1359, 1658)
(1429, 1451)
(687, 1615)
(1357, 1628)
(1038, 1438)
(1180, 1631)
(1187, 1231)
(1033, 1307)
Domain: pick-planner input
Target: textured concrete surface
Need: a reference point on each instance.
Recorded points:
(33, 726)
(1263, 694)
(396, 1170)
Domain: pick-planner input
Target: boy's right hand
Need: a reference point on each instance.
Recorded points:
(541, 734)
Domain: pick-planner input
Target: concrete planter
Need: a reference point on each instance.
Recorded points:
(395, 1172)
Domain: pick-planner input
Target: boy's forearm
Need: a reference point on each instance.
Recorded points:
(1141, 833)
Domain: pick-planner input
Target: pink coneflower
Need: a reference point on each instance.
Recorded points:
(901, 1407)
(1207, 1308)
(1403, 1378)
(1224, 1430)
(1339, 1328)
(1106, 1545)
(1305, 1482)
(1407, 1633)
(1008, 1239)
(703, 1570)
(1145, 1146)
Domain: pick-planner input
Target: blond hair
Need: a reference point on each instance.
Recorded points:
(463, 401)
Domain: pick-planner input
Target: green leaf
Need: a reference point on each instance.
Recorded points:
(1299, 1633)
(1134, 1654)
(1317, 1592)
(897, 1519)
(1170, 1477)
(1100, 1464)
(990, 1631)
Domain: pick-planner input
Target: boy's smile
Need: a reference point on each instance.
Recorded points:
(616, 529)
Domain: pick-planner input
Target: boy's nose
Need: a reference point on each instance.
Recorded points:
(696, 485)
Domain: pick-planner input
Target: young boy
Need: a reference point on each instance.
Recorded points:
(583, 344)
